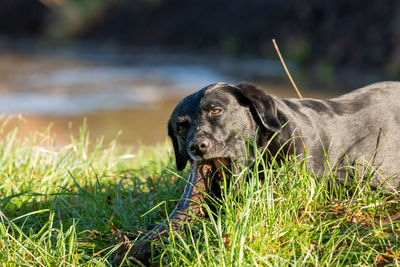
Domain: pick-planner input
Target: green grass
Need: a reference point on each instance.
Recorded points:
(64, 206)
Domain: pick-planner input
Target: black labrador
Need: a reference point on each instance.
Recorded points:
(356, 131)
(210, 128)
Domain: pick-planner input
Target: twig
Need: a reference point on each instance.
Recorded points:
(286, 69)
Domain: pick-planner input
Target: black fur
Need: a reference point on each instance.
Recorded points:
(360, 128)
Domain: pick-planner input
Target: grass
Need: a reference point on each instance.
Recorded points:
(64, 206)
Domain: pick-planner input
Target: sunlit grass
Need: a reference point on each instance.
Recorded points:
(292, 218)
(64, 205)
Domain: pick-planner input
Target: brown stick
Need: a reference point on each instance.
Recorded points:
(189, 203)
(286, 69)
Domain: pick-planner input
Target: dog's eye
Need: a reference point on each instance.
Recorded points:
(215, 111)
(182, 126)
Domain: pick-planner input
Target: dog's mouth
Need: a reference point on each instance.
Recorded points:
(219, 168)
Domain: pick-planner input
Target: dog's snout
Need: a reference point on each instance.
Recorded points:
(199, 146)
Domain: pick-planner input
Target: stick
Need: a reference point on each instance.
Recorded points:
(189, 203)
(286, 69)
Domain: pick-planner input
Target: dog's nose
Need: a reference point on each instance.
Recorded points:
(199, 147)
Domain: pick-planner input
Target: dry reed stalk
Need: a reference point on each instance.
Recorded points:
(286, 69)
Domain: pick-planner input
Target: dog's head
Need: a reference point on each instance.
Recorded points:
(215, 123)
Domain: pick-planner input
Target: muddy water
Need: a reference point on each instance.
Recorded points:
(116, 92)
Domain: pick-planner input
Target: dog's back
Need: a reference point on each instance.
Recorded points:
(360, 129)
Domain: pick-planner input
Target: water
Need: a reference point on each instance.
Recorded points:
(33, 84)
(134, 92)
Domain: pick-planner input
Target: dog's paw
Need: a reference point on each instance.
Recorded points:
(138, 253)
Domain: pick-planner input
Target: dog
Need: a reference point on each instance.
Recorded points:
(355, 132)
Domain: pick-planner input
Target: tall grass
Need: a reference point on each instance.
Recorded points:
(62, 206)
(291, 218)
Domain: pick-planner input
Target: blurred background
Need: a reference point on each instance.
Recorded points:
(124, 64)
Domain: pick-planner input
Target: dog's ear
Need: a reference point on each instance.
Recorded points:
(181, 157)
(262, 106)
